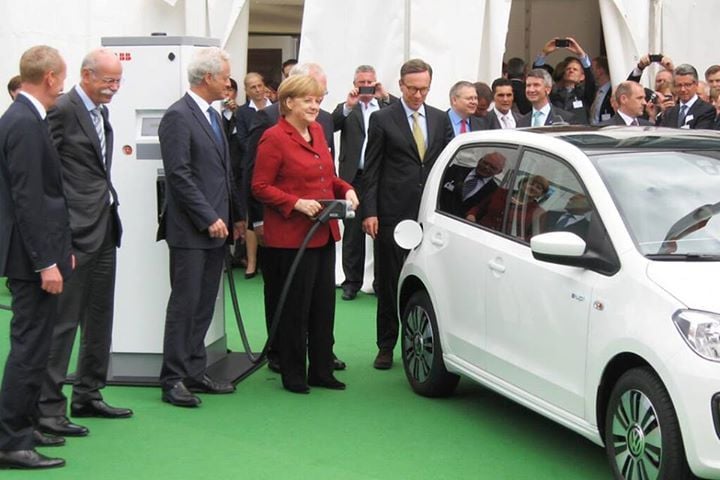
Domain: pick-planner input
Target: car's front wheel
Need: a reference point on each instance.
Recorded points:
(421, 350)
(642, 435)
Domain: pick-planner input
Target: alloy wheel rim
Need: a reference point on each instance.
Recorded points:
(418, 343)
(637, 437)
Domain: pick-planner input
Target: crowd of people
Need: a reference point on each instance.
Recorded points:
(255, 172)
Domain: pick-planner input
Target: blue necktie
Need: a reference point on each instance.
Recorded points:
(683, 114)
(215, 125)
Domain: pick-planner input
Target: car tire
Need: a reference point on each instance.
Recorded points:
(642, 434)
(421, 351)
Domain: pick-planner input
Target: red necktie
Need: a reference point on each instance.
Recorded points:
(463, 127)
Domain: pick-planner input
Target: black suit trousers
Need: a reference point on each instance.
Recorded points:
(87, 301)
(34, 314)
(353, 246)
(308, 316)
(194, 281)
(389, 260)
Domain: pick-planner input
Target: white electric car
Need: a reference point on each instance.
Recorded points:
(580, 278)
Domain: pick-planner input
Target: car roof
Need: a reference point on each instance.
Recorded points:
(621, 138)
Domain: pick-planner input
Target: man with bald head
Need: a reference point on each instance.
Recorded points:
(630, 99)
(81, 131)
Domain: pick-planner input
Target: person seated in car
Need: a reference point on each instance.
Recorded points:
(464, 187)
(524, 207)
(575, 218)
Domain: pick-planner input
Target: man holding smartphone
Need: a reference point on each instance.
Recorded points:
(351, 118)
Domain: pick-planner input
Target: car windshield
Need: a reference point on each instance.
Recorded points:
(669, 201)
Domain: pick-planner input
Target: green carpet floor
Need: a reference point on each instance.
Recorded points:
(376, 429)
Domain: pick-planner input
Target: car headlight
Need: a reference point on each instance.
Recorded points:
(701, 330)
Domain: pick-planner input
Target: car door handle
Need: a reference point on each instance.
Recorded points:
(496, 266)
(437, 238)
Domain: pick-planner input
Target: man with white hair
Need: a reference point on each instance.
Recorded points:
(81, 131)
(203, 213)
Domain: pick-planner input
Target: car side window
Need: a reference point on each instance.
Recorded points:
(473, 174)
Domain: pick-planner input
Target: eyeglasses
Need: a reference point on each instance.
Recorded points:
(684, 85)
(416, 90)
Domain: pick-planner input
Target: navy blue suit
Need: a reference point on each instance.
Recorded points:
(199, 190)
(34, 235)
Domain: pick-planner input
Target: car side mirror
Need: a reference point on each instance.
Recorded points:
(565, 248)
(408, 234)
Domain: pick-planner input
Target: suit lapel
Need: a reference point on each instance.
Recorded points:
(203, 121)
(86, 124)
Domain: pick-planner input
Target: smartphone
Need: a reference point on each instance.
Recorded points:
(655, 57)
(366, 90)
(562, 43)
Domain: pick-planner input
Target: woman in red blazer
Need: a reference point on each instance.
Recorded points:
(293, 171)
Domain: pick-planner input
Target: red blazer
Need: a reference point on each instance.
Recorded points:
(489, 213)
(288, 168)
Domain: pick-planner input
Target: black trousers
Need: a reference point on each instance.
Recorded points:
(34, 314)
(88, 301)
(353, 246)
(389, 259)
(194, 280)
(308, 317)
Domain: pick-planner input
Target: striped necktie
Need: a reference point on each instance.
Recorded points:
(99, 125)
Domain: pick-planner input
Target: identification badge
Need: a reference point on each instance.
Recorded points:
(577, 104)
(604, 116)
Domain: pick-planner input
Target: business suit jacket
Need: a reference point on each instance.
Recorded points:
(451, 193)
(198, 176)
(554, 116)
(618, 120)
(86, 176)
(352, 137)
(583, 92)
(289, 168)
(551, 218)
(34, 224)
(474, 123)
(264, 119)
(494, 120)
(522, 104)
(394, 174)
(605, 106)
(703, 116)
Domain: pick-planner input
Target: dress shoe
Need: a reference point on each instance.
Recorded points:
(27, 460)
(297, 388)
(384, 360)
(249, 275)
(61, 426)
(332, 383)
(180, 396)
(274, 365)
(208, 385)
(338, 364)
(349, 293)
(98, 408)
(42, 440)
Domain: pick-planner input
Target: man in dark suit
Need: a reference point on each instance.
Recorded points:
(203, 213)
(537, 88)
(502, 116)
(463, 103)
(465, 187)
(601, 108)
(575, 218)
(404, 140)
(630, 97)
(351, 118)
(516, 75)
(690, 111)
(81, 132)
(34, 253)
(265, 119)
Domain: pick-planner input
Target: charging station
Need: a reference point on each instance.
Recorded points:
(154, 77)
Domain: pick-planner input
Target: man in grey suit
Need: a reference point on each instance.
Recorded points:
(81, 132)
(351, 118)
(538, 86)
(34, 253)
(202, 214)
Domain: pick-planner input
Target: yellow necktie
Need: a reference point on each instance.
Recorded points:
(418, 135)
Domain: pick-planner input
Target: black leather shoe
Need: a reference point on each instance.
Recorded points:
(42, 440)
(384, 360)
(208, 385)
(180, 396)
(349, 293)
(297, 388)
(338, 364)
(332, 383)
(27, 460)
(61, 426)
(249, 275)
(98, 408)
